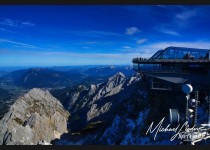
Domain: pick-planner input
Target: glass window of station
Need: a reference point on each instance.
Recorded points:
(181, 53)
(156, 54)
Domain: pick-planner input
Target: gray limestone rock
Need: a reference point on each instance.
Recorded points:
(34, 117)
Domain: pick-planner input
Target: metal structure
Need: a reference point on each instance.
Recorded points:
(209, 109)
(176, 66)
(181, 68)
(174, 116)
(196, 108)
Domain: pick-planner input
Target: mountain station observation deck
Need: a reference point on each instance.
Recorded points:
(177, 65)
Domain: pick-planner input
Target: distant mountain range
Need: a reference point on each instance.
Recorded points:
(57, 77)
(44, 78)
(109, 70)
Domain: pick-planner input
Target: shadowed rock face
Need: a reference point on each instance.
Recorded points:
(36, 116)
(124, 110)
(96, 102)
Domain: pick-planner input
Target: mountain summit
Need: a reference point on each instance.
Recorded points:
(36, 116)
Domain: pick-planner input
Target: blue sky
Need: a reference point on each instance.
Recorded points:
(56, 35)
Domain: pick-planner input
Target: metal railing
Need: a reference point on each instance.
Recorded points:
(139, 60)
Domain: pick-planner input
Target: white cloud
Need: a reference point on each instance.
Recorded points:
(90, 42)
(121, 56)
(186, 15)
(67, 58)
(86, 47)
(96, 33)
(126, 55)
(166, 31)
(15, 23)
(162, 6)
(171, 32)
(17, 43)
(183, 19)
(141, 41)
(127, 51)
(27, 23)
(127, 47)
(8, 22)
(170, 8)
(87, 42)
(2, 29)
(132, 30)
(163, 29)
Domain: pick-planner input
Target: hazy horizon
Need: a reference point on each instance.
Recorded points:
(12, 68)
(71, 65)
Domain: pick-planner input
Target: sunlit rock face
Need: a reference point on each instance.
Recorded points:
(34, 117)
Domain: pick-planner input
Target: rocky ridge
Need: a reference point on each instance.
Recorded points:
(36, 116)
(96, 102)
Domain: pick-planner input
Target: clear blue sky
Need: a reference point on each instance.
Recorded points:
(99, 34)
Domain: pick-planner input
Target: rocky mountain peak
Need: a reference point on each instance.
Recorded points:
(121, 74)
(115, 85)
(97, 101)
(34, 117)
(118, 75)
(41, 95)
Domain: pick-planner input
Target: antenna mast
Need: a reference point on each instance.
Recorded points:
(209, 109)
(196, 108)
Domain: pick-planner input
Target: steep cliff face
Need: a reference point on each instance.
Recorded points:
(76, 98)
(96, 102)
(108, 95)
(131, 111)
(33, 118)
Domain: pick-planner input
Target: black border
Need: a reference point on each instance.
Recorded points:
(104, 147)
(105, 2)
